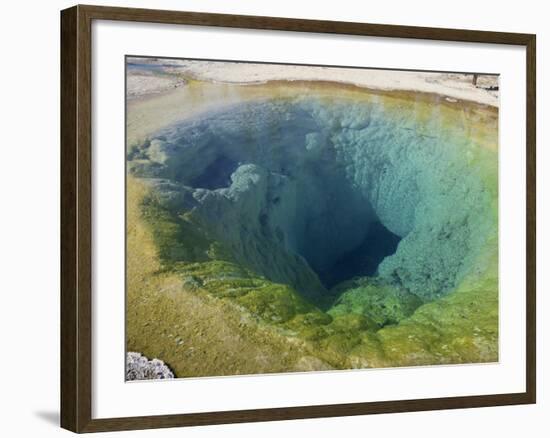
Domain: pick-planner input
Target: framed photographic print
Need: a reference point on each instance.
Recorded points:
(303, 218)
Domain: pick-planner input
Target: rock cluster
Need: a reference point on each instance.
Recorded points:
(138, 367)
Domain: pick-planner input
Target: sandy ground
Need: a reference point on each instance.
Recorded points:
(142, 83)
(455, 86)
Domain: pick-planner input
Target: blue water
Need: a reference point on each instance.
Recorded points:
(351, 188)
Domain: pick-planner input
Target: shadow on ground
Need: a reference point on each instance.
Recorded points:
(51, 417)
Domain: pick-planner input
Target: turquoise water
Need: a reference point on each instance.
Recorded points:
(312, 193)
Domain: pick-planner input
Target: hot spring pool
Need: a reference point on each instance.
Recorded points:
(304, 210)
(311, 194)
